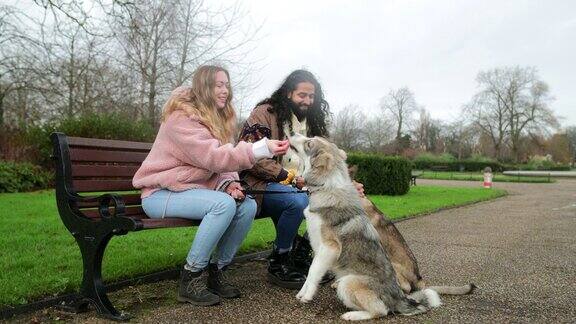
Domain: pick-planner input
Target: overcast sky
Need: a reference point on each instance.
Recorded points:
(361, 49)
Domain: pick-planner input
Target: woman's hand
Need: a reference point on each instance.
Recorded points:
(234, 189)
(359, 188)
(278, 147)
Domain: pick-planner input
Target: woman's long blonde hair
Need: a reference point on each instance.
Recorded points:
(199, 101)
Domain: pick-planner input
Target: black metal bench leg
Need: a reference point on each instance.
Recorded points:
(93, 289)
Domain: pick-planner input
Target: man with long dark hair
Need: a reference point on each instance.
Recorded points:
(298, 106)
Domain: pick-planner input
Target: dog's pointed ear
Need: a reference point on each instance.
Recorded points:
(322, 161)
(340, 152)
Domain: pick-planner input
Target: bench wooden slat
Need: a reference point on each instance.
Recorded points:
(150, 223)
(109, 144)
(129, 200)
(88, 155)
(103, 171)
(133, 212)
(102, 185)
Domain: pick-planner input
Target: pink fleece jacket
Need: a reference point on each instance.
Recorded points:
(185, 155)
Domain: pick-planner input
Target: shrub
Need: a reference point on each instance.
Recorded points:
(537, 167)
(426, 161)
(432, 158)
(480, 158)
(17, 177)
(106, 126)
(560, 167)
(382, 175)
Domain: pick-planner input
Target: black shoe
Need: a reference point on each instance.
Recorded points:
(302, 258)
(281, 271)
(218, 285)
(301, 254)
(192, 289)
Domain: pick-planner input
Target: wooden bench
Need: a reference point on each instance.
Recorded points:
(413, 176)
(439, 168)
(85, 165)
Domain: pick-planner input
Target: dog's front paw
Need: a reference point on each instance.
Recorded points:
(303, 299)
(301, 292)
(306, 294)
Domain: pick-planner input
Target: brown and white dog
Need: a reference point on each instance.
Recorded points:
(399, 253)
(344, 240)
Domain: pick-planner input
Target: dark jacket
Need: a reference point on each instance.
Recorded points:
(262, 123)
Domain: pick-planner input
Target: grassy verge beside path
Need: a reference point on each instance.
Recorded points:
(475, 176)
(428, 199)
(38, 257)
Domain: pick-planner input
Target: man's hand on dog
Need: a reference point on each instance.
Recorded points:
(299, 182)
(359, 188)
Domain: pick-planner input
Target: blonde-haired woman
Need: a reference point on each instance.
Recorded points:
(190, 173)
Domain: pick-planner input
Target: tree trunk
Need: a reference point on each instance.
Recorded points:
(2, 96)
(70, 110)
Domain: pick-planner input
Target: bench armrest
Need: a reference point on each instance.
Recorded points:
(104, 206)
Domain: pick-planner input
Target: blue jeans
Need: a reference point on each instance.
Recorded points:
(287, 210)
(224, 224)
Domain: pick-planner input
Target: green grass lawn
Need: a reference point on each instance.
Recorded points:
(39, 258)
(477, 176)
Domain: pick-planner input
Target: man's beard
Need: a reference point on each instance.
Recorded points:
(299, 111)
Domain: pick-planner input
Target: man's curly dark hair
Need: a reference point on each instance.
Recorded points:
(317, 113)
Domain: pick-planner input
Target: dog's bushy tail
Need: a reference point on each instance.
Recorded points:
(454, 290)
(419, 302)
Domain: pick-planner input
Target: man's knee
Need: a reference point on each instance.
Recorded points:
(299, 202)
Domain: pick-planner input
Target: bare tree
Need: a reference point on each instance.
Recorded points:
(426, 131)
(530, 113)
(487, 111)
(11, 39)
(400, 105)
(460, 138)
(348, 128)
(165, 41)
(571, 135)
(378, 132)
(511, 101)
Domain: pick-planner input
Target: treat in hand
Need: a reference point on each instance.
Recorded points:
(291, 175)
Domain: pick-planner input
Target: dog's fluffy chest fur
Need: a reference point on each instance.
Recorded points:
(313, 226)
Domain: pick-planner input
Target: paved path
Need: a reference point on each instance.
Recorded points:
(519, 250)
(569, 174)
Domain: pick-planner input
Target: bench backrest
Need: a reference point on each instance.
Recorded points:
(97, 165)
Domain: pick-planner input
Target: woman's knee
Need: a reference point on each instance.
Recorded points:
(225, 205)
(247, 209)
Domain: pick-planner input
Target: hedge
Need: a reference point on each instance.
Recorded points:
(19, 177)
(106, 126)
(531, 167)
(459, 165)
(382, 175)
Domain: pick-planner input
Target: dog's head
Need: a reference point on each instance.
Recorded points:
(323, 161)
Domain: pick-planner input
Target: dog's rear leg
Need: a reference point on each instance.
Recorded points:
(322, 262)
(356, 294)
